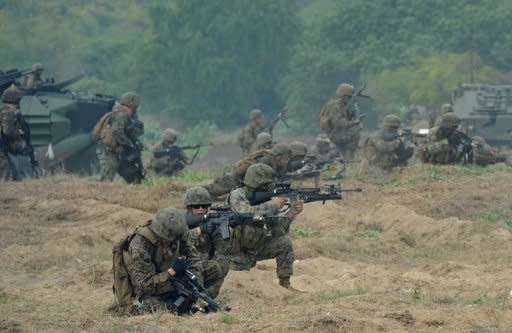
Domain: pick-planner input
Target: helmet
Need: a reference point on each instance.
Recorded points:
(263, 139)
(130, 99)
(282, 149)
(322, 139)
(449, 120)
(258, 174)
(197, 195)
(445, 108)
(11, 95)
(255, 113)
(169, 135)
(391, 121)
(169, 223)
(345, 89)
(298, 148)
(38, 67)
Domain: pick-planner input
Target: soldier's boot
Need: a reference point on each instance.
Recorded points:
(285, 282)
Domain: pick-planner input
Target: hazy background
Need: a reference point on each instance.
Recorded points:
(212, 61)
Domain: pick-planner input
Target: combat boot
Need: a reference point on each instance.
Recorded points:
(285, 282)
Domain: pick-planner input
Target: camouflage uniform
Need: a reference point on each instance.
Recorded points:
(247, 138)
(342, 124)
(385, 149)
(149, 263)
(12, 133)
(438, 149)
(323, 149)
(170, 164)
(214, 251)
(484, 154)
(252, 243)
(445, 108)
(263, 141)
(33, 80)
(116, 148)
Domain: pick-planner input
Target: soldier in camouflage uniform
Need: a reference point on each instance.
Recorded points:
(341, 122)
(299, 151)
(323, 149)
(263, 141)
(13, 131)
(34, 79)
(439, 147)
(277, 158)
(484, 154)
(385, 149)
(158, 252)
(445, 108)
(118, 147)
(215, 252)
(253, 242)
(247, 138)
(168, 164)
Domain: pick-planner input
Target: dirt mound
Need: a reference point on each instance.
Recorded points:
(428, 250)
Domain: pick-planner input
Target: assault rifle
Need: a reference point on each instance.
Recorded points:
(223, 219)
(464, 145)
(175, 150)
(188, 291)
(9, 77)
(280, 117)
(314, 163)
(305, 194)
(134, 155)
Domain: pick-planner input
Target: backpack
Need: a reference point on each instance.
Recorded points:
(122, 288)
(101, 132)
(246, 162)
(324, 116)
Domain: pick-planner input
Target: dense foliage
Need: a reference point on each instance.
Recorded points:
(214, 60)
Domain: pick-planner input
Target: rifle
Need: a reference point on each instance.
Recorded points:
(280, 117)
(175, 150)
(224, 219)
(305, 194)
(188, 291)
(9, 77)
(134, 155)
(464, 145)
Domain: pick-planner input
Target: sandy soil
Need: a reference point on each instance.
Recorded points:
(428, 249)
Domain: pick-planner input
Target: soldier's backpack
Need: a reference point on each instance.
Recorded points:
(246, 162)
(101, 132)
(324, 116)
(122, 287)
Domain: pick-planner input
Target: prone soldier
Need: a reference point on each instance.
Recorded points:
(172, 161)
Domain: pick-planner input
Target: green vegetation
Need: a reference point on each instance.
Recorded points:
(509, 223)
(492, 216)
(374, 234)
(228, 319)
(306, 232)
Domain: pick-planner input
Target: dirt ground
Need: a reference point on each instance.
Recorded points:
(428, 249)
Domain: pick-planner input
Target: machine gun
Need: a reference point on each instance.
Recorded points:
(188, 291)
(280, 117)
(464, 145)
(305, 194)
(223, 219)
(9, 77)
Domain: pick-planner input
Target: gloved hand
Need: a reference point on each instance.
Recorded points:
(207, 228)
(179, 266)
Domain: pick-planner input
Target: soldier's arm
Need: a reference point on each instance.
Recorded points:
(240, 204)
(144, 276)
(383, 146)
(193, 257)
(118, 126)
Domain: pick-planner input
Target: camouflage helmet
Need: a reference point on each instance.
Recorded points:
(449, 120)
(345, 89)
(37, 67)
(197, 195)
(445, 108)
(322, 139)
(255, 113)
(11, 95)
(391, 121)
(263, 139)
(282, 149)
(298, 148)
(169, 223)
(257, 175)
(169, 135)
(130, 99)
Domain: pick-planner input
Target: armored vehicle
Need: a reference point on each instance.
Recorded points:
(486, 111)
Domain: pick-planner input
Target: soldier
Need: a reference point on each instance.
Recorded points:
(34, 79)
(252, 242)
(118, 147)
(342, 122)
(263, 141)
(299, 152)
(442, 145)
(445, 108)
(484, 154)
(247, 138)
(277, 158)
(15, 134)
(171, 162)
(158, 252)
(215, 252)
(385, 149)
(323, 149)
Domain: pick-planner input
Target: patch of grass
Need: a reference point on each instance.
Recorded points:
(228, 319)
(437, 173)
(444, 300)
(493, 216)
(374, 234)
(306, 232)
(412, 181)
(28, 230)
(186, 176)
(509, 223)
(416, 295)
(341, 293)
